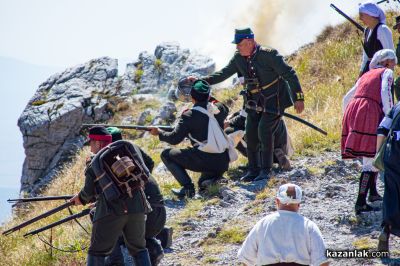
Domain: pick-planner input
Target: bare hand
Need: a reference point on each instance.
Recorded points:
(192, 78)
(154, 131)
(76, 200)
(226, 124)
(299, 106)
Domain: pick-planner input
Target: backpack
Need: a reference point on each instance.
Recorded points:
(217, 140)
(119, 170)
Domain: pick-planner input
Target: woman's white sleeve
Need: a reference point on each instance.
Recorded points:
(349, 95)
(386, 90)
(385, 36)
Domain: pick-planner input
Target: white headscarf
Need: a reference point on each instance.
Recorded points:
(373, 10)
(283, 196)
(381, 56)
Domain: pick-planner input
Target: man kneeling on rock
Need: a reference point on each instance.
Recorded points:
(194, 124)
(284, 237)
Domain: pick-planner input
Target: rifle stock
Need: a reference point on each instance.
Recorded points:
(352, 21)
(37, 218)
(64, 197)
(69, 218)
(136, 127)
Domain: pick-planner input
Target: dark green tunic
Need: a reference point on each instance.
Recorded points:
(264, 66)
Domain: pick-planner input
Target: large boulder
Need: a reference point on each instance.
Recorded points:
(51, 121)
(158, 72)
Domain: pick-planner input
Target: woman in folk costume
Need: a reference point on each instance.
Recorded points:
(377, 35)
(371, 99)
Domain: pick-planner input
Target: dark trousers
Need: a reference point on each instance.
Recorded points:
(209, 164)
(105, 233)
(260, 133)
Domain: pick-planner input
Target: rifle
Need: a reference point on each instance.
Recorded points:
(352, 21)
(37, 218)
(387, 1)
(136, 127)
(69, 218)
(64, 197)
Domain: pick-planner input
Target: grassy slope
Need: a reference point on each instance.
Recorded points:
(327, 69)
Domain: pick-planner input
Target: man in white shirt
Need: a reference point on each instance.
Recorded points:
(284, 237)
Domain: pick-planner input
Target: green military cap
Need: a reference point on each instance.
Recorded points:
(200, 90)
(240, 34)
(115, 132)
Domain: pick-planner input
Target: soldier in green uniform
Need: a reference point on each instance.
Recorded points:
(271, 87)
(397, 82)
(194, 125)
(124, 215)
(156, 219)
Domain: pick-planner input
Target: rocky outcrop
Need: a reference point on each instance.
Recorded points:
(91, 93)
(158, 72)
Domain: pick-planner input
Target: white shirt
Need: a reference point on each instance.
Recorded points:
(283, 236)
(386, 92)
(384, 35)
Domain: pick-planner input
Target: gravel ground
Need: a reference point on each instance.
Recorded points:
(329, 186)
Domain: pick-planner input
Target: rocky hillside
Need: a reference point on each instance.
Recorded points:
(209, 229)
(91, 93)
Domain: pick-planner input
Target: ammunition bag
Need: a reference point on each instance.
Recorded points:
(119, 170)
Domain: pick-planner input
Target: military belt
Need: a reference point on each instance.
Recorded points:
(256, 90)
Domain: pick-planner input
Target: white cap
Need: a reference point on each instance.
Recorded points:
(289, 194)
(381, 56)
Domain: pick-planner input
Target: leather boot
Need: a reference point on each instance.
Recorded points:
(383, 243)
(142, 258)
(253, 169)
(165, 237)
(373, 192)
(95, 260)
(186, 190)
(156, 252)
(266, 165)
(361, 203)
(283, 160)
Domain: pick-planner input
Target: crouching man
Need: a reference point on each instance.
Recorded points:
(284, 237)
(124, 214)
(194, 124)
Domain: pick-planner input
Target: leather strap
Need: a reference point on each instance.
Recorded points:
(256, 90)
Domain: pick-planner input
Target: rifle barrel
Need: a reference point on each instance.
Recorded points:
(352, 21)
(64, 197)
(37, 218)
(69, 218)
(137, 127)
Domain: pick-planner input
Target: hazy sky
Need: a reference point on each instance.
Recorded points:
(63, 33)
(68, 32)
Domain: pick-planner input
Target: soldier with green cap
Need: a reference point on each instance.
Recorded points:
(271, 86)
(397, 82)
(194, 124)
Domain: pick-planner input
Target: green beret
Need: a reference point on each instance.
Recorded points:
(200, 90)
(115, 132)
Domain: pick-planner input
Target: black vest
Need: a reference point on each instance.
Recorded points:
(372, 45)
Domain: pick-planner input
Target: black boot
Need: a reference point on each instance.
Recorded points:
(156, 252)
(142, 258)
(266, 165)
(361, 203)
(264, 174)
(383, 244)
(165, 236)
(254, 169)
(95, 260)
(373, 192)
(186, 190)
